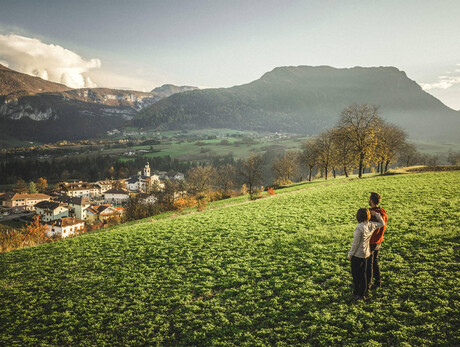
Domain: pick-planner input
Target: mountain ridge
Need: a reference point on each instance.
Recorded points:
(305, 99)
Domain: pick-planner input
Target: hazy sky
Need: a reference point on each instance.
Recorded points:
(143, 44)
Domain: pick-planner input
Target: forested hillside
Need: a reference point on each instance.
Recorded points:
(306, 99)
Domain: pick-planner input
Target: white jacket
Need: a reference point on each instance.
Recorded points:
(362, 235)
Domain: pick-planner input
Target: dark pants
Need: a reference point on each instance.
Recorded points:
(373, 268)
(358, 270)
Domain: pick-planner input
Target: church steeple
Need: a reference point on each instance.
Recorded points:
(147, 170)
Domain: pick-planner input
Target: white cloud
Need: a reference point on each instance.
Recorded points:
(444, 81)
(48, 61)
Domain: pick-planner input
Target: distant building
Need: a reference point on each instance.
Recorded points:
(76, 189)
(164, 175)
(116, 196)
(78, 205)
(22, 201)
(103, 212)
(104, 185)
(64, 227)
(51, 210)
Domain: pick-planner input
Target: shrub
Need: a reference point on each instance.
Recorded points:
(182, 203)
(202, 202)
(255, 194)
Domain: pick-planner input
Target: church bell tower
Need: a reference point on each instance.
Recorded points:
(147, 170)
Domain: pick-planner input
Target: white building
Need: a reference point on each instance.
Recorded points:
(78, 205)
(64, 227)
(116, 196)
(50, 210)
(104, 185)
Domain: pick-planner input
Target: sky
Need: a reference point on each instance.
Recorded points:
(141, 44)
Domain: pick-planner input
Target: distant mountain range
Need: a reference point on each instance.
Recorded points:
(299, 99)
(33, 109)
(306, 99)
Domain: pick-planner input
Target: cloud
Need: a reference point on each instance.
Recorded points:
(444, 81)
(47, 61)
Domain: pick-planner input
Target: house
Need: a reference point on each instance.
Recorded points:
(22, 201)
(178, 176)
(51, 210)
(78, 205)
(104, 185)
(146, 198)
(116, 196)
(77, 189)
(103, 212)
(64, 227)
(164, 175)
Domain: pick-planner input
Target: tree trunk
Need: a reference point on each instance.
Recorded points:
(325, 172)
(345, 171)
(333, 172)
(309, 176)
(386, 165)
(361, 160)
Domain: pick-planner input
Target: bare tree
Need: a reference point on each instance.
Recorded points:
(325, 148)
(251, 170)
(433, 160)
(344, 155)
(200, 179)
(285, 168)
(360, 123)
(453, 158)
(408, 155)
(225, 178)
(309, 156)
(390, 140)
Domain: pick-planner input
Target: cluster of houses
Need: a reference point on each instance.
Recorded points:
(75, 204)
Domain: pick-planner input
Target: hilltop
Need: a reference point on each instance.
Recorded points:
(267, 272)
(18, 84)
(306, 99)
(33, 109)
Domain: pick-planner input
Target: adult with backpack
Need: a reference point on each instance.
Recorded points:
(373, 267)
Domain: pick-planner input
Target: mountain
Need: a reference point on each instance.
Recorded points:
(306, 99)
(33, 109)
(170, 89)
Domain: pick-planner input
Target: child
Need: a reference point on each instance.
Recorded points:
(360, 250)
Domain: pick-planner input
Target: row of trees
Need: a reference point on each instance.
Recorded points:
(361, 138)
(87, 167)
(40, 186)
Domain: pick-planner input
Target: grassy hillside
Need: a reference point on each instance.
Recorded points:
(268, 272)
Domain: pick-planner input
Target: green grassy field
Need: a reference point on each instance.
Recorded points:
(267, 272)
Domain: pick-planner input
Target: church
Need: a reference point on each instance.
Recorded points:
(142, 182)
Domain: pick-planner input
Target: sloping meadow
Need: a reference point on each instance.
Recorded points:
(266, 272)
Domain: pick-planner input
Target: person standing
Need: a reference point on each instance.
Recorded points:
(373, 268)
(360, 250)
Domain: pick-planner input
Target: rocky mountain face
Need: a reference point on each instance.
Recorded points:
(33, 109)
(306, 99)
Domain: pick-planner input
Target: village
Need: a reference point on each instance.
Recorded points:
(74, 207)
